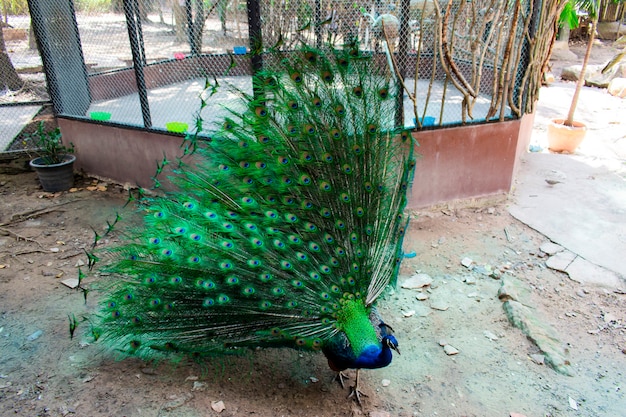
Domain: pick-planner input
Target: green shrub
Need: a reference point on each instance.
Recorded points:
(92, 6)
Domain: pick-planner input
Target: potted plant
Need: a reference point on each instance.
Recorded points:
(564, 135)
(54, 162)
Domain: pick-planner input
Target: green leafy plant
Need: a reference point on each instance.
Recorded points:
(48, 145)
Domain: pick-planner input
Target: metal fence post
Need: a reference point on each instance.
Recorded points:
(403, 57)
(256, 41)
(56, 30)
(135, 35)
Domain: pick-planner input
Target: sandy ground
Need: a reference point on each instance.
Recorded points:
(495, 373)
(44, 373)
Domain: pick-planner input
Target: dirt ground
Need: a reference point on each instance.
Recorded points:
(495, 373)
(44, 373)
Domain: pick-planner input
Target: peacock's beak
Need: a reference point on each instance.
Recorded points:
(396, 348)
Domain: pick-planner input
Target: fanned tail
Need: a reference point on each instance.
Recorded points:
(293, 208)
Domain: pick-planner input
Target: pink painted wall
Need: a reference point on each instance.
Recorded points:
(456, 163)
(465, 162)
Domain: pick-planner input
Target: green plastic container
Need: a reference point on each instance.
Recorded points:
(100, 115)
(176, 127)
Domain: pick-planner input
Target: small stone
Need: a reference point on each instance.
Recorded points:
(496, 274)
(198, 386)
(421, 296)
(561, 260)
(313, 379)
(491, 210)
(439, 305)
(466, 262)
(609, 318)
(218, 406)
(572, 403)
(483, 269)
(54, 250)
(177, 402)
(450, 350)
(385, 382)
(417, 281)
(35, 336)
(470, 280)
(490, 335)
(409, 313)
(442, 342)
(79, 263)
(617, 87)
(88, 378)
(512, 414)
(379, 414)
(550, 248)
(70, 282)
(538, 358)
(148, 371)
(191, 378)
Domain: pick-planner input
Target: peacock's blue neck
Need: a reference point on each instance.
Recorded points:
(374, 356)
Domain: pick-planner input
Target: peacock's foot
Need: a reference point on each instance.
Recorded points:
(357, 394)
(340, 377)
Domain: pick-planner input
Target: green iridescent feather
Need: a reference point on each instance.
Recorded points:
(285, 226)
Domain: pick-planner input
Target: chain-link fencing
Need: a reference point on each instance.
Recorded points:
(149, 63)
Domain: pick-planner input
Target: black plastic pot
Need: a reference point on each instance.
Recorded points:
(55, 177)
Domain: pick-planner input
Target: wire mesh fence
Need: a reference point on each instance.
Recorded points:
(147, 63)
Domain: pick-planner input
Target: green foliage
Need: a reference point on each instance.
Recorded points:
(14, 7)
(569, 15)
(92, 6)
(48, 145)
(591, 7)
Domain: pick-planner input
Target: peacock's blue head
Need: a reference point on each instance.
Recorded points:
(390, 342)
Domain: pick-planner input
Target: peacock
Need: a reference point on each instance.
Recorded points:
(281, 228)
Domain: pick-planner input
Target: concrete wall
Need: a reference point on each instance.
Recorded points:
(468, 161)
(121, 154)
(456, 163)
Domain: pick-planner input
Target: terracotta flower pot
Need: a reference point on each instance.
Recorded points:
(563, 138)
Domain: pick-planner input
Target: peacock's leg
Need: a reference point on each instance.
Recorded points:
(354, 391)
(340, 377)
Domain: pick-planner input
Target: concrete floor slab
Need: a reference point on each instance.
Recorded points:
(585, 212)
(181, 102)
(585, 272)
(12, 121)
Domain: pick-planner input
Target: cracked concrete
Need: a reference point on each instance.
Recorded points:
(579, 201)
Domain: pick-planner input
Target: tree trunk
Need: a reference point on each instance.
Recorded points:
(581, 78)
(197, 25)
(32, 41)
(8, 76)
(180, 20)
(564, 32)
